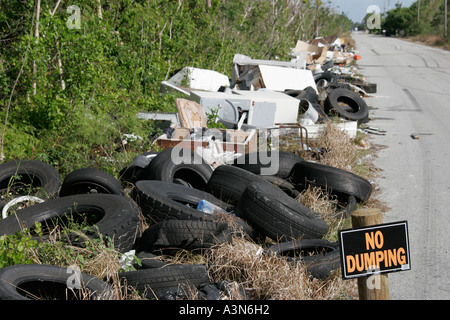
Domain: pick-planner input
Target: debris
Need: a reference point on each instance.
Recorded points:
(229, 106)
(192, 114)
(310, 116)
(274, 78)
(243, 64)
(190, 78)
(269, 108)
(312, 54)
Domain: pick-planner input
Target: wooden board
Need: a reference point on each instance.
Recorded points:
(192, 114)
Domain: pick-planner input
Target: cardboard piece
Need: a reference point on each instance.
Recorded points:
(315, 54)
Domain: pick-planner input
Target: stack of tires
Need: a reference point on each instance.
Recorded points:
(256, 198)
(259, 191)
(86, 195)
(339, 99)
(96, 198)
(268, 204)
(168, 189)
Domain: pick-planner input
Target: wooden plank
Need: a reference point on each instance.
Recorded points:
(192, 114)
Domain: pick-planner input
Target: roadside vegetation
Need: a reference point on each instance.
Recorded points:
(69, 93)
(424, 21)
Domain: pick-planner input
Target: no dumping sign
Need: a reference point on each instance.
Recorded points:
(374, 249)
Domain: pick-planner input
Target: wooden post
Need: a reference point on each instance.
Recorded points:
(375, 287)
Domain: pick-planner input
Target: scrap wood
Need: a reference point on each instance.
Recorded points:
(192, 114)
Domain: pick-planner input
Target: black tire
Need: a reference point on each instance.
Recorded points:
(325, 79)
(347, 104)
(186, 168)
(132, 172)
(90, 180)
(309, 93)
(327, 65)
(39, 177)
(320, 256)
(347, 205)
(114, 216)
(256, 162)
(274, 214)
(149, 261)
(229, 182)
(331, 179)
(162, 200)
(166, 282)
(320, 110)
(173, 235)
(284, 185)
(37, 281)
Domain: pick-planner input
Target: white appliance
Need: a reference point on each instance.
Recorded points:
(230, 106)
(270, 108)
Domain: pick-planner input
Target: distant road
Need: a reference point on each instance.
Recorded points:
(413, 98)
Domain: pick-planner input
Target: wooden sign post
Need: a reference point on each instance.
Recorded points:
(371, 249)
(374, 287)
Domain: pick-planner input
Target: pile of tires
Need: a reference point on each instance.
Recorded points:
(86, 195)
(97, 198)
(257, 200)
(268, 204)
(167, 190)
(337, 98)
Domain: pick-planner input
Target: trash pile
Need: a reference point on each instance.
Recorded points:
(316, 86)
(207, 185)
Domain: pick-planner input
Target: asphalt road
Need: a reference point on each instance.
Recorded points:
(413, 97)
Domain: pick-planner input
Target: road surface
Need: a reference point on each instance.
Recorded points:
(413, 97)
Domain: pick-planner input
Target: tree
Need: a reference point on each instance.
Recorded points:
(400, 21)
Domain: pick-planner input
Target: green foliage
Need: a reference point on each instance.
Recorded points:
(399, 20)
(212, 117)
(410, 21)
(15, 248)
(91, 82)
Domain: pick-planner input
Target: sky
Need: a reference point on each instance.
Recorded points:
(355, 10)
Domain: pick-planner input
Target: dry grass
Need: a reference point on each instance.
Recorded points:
(430, 40)
(315, 199)
(263, 276)
(339, 149)
(266, 276)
